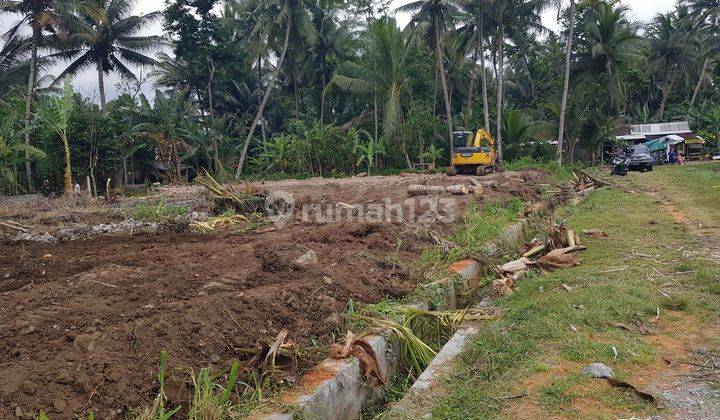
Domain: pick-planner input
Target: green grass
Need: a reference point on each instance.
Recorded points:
(161, 211)
(539, 330)
(481, 224)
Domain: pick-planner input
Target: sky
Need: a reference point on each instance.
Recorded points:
(86, 81)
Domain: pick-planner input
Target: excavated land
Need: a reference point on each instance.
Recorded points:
(83, 322)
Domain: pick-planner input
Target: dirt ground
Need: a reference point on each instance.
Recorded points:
(82, 323)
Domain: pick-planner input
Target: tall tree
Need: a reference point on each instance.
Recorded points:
(707, 12)
(671, 51)
(475, 27)
(42, 16)
(279, 19)
(437, 15)
(608, 44)
(381, 74)
(566, 80)
(108, 41)
(13, 66)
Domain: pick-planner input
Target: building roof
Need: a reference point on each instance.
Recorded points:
(661, 129)
(632, 137)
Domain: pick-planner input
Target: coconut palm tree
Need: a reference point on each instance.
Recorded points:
(671, 50)
(13, 66)
(512, 19)
(566, 80)
(476, 30)
(278, 20)
(608, 43)
(41, 16)
(107, 41)
(438, 16)
(381, 74)
(707, 13)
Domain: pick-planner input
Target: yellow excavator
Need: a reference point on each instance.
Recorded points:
(474, 153)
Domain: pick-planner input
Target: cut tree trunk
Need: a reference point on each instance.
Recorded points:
(566, 83)
(443, 82)
(268, 90)
(28, 105)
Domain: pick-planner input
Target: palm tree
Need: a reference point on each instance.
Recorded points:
(707, 12)
(381, 73)
(511, 19)
(566, 80)
(609, 43)
(107, 41)
(670, 46)
(477, 34)
(13, 66)
(293, 17)
(437, 15)
(41, 16)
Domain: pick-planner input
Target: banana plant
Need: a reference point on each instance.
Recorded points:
(56, 115)
(368, 152)
(13, 153)
(433, 154)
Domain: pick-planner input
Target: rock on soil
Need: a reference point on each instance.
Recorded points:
(598, 370)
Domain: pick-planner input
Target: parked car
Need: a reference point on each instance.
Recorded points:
(640, 158)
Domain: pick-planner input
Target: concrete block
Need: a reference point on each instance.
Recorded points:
(444, 358)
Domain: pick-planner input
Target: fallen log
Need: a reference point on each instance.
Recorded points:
(415, 189)
(475, 189)
(457, 189)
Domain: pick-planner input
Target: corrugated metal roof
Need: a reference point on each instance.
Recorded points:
(661, 129)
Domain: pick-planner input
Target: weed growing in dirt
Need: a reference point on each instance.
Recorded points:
(159, 212)
(158, 411)
(211, 400)
(394, 391)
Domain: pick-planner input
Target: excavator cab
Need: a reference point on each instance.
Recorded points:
(473, 153)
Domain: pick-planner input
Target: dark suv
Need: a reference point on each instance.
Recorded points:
(640, 158)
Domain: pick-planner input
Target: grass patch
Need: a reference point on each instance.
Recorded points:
(161, 211)
(481, 224)
(557, 395)
(542, 319)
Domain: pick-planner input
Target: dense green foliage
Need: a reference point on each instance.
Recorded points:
(324, 87)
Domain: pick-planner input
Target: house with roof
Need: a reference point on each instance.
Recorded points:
(661, 138)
